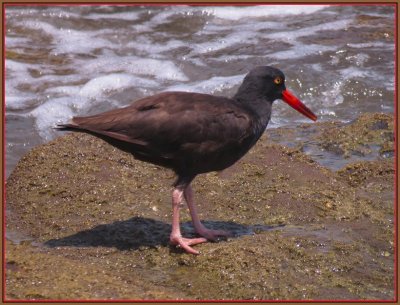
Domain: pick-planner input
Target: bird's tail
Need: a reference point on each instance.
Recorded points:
(68, 126)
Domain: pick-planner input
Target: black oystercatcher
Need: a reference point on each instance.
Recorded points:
(193, 133)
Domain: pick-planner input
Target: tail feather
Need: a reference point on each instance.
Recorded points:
(68, 126)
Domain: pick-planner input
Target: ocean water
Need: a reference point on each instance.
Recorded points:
(67, 60)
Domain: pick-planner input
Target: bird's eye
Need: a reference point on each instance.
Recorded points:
(278, 80)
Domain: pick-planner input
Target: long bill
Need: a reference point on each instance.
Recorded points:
(295, 103)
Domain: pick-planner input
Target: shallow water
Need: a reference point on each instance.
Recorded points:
(63, 61)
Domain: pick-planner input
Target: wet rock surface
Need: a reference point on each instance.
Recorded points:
(361, 137)
(86, 221)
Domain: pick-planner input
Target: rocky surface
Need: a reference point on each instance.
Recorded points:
(86, 221)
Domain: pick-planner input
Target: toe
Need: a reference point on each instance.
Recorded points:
(186, 243)
(214, 234)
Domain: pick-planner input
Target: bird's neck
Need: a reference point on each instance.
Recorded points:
(259, 105)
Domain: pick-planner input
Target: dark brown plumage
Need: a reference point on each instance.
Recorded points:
(193, 133)
(169, 129)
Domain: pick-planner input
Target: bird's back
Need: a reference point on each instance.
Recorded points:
(189, 132)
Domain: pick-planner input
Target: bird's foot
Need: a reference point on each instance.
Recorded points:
(185, 243)
(213, 235)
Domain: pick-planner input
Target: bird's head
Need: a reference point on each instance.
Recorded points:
(270, 83)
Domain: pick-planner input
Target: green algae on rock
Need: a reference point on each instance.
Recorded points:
(97, 222)
(361, 136)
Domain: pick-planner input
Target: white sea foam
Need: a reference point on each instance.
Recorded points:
(308, 31)
(21, 13)
(15, 42)
(57, 110)
(16, 66)
(253, 26)
(358, 59)
(213, 85)
(233, 13)
(224, 42)
(353, 72)
(236, 13)
(317, 67)
(327, 112)
(17, 74)
(239, 12)
(57, 12)
(252, 36)
(64, 90)
(159, 69)
(103, 84)
(67, 40)
(52, 112)
(151, 47)
(300, 51)
(374, 45)
(389, 85)
(16, 100)
(333, 96)
(119, 16)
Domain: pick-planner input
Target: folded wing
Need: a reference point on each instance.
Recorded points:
(169, 124)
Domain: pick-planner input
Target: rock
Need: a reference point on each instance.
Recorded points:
(96, 222)
(361, 136)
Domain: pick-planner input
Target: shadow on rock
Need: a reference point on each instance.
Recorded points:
(124, 235)
(139, 232)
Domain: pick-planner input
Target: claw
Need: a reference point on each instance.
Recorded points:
(185, 243)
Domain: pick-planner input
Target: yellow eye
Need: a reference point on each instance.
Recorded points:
(278, 80)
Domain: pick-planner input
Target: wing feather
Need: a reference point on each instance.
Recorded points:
(169, 122)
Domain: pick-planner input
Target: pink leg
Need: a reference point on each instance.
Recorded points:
(198, 226)
(176, 236)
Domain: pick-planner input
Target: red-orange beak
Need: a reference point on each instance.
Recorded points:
(295, 103)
